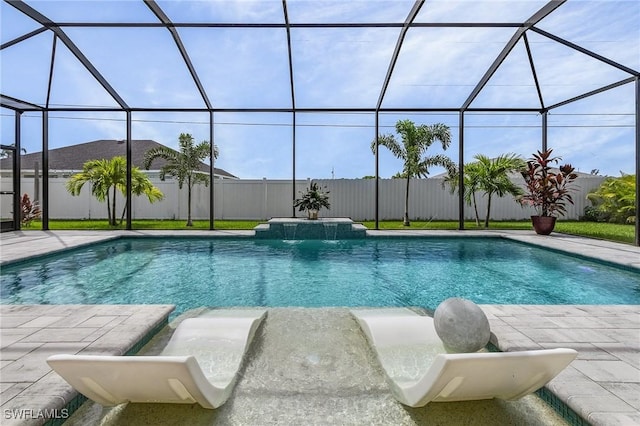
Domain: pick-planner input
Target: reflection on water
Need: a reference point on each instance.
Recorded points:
(191, 272)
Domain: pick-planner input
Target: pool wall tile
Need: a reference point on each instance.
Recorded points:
(302, 229)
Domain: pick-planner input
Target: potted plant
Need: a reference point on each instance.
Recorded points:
(546, 189)
(312, 200)
(30, 210)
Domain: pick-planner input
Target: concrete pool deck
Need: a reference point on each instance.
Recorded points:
(602, 385)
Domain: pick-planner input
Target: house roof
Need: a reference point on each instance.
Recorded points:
(74, 156)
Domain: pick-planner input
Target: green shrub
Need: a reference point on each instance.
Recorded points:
(593, 214)
(615, 199)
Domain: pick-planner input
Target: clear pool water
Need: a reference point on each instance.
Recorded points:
(423, 272)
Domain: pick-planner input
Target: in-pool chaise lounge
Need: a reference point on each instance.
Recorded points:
(419, 369)
(199, 364)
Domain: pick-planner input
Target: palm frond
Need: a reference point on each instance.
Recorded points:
(433, 161)
(389, 142)
(163, 152)
(435, 132)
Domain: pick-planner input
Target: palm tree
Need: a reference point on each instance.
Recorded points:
(183, 165)
(494, 177)
(140, 184)
(471, 182)
(109, 176)
(416, 140)
(491, 176)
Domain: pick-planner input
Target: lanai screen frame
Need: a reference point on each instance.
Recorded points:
(522, 28)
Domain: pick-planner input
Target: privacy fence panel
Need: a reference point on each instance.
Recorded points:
(507, 209)
(354, 198)
(263, 199)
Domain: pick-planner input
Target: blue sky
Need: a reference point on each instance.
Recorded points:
(337, 67)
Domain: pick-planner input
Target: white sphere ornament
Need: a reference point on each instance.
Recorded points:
(461, 325)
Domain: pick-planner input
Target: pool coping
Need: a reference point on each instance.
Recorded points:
(601, 386)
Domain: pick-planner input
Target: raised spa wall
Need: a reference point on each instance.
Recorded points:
(305, 229)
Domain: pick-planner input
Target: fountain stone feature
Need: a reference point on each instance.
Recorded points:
(333, 228)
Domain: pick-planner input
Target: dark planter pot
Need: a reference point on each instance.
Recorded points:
(543, 225)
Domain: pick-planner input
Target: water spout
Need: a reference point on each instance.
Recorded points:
(330, 230)
(290, 230)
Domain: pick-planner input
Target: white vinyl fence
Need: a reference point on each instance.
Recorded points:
(264, 199)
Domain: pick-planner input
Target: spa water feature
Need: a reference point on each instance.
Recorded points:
(281, 228)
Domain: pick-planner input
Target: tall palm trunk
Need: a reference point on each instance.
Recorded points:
(406, 204)
(475, 208)
(108, 207)
(112, 218)
(486, 219)
(189, 222)
(124, 211)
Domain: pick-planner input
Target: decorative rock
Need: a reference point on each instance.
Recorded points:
(461, 325)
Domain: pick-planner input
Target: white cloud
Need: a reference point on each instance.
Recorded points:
(342, 67)
(241, 68)
(306, 11)
(223, 10)
(479, 10)
(438, 67)
(339, 67)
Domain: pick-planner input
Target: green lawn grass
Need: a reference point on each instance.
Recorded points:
(445, 224)
(599, 230)
(606, 231)
(603, 231)
(147, 224)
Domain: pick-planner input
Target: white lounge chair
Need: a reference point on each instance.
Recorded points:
(419, 370)
(199, 364)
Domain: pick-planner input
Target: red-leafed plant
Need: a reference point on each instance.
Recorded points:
(545, 189)
(28, 210)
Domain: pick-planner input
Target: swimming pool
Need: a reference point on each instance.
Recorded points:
(193, 272)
